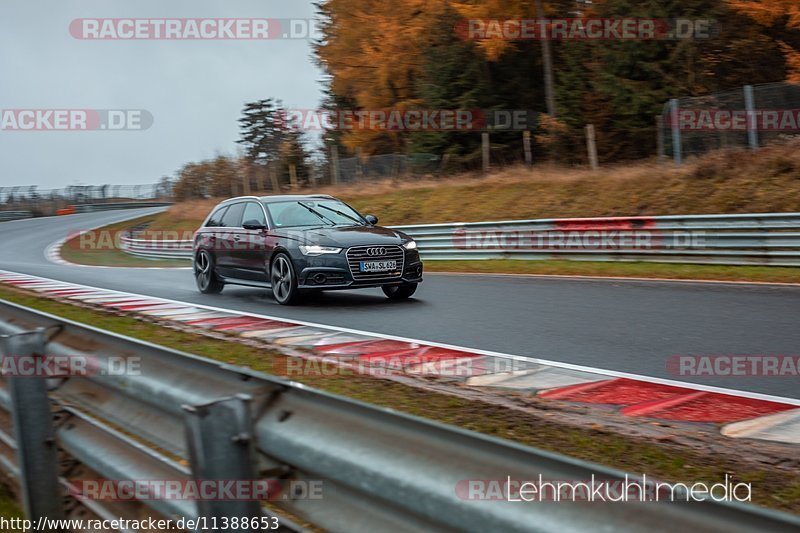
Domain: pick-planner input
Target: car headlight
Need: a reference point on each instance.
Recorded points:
(315, 249)
(410, 245)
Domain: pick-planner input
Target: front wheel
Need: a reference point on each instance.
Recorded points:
(399, 292)
(283, 280)
(204, 275)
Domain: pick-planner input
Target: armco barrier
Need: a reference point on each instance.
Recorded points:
(108, 206)
(186, 419)
(14, 215)
(743, 239)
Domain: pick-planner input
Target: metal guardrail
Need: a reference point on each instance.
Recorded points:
(183, 417)
(14, 215)
(740, 239)
(89, 208)
(47, 202)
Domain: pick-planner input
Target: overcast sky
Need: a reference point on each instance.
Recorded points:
(193, 89)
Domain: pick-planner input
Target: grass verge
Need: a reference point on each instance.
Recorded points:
(116, 258)
(9, 508)
(774, 487)
(736, 181)
(632, 270)
(102, 249)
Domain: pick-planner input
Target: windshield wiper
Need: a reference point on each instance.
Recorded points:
(345, 215)
(319, 215)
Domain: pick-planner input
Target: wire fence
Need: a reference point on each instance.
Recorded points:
(385, 166)
(751, 116)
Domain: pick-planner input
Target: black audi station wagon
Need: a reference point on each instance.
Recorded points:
(296, 244)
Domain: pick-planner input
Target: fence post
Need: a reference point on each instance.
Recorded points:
(485, 151)
(397, 164)
(359, 166)
(33, 429)
(443, 163)
(220, 437)
(312, 174)
(749, 105)
(526, 146)
(591, 146)
(660, 137)
(334, 165)
(674, 118)
(251, 169)
(273, 177)
(245, 183)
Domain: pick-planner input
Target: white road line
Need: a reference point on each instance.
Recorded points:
(489, 353)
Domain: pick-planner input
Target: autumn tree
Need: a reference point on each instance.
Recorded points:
(408, 54)
(782, 18)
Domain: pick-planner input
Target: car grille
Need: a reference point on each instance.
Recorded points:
(356, 254)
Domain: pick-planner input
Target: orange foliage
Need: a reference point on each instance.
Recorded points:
(374, 53)
(767, 13)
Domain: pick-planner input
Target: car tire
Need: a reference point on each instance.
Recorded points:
(283, 280)
(205, 275)
(399, 292)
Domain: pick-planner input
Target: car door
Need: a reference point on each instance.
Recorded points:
(206, 236)
(228, 237)
(251, 250)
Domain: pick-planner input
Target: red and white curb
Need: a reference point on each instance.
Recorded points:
(745, 414)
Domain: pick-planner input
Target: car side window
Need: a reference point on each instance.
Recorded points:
(233, 216)
(253, 212)
(215, 220)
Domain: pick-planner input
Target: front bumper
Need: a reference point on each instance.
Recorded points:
(332, 272)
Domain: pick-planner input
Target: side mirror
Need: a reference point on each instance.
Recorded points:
(371, 219)
(254, 224)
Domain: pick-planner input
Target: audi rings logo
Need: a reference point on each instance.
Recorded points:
(372, 252)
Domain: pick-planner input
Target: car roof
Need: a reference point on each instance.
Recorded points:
(281, 198)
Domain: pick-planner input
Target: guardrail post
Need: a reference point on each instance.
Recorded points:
(221, 447)
(33, 429)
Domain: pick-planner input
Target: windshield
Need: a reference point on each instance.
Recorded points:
(313, 212)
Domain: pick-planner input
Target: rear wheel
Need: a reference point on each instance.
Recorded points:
(283, 280)
(399, 292)
(204, 275)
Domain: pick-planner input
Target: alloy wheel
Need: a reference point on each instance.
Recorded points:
(281, 279)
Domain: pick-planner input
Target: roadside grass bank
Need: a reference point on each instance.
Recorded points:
(734, 181)
(723, 182)
(115, 258)
(776, 485)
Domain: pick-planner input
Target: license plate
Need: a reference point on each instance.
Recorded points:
(378, 266)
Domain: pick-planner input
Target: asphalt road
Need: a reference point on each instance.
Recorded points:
(628, 326)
